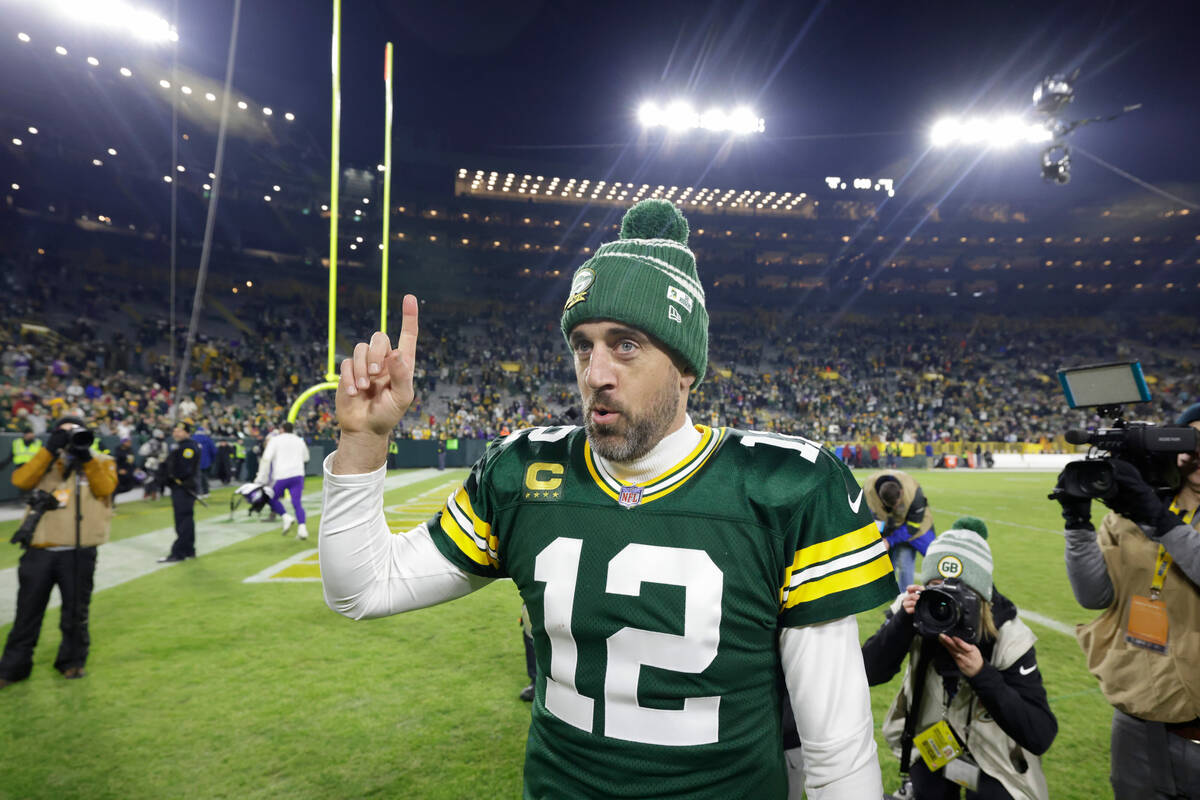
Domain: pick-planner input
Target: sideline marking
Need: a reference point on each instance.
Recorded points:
(135, 557)
(1047, 622)
(303, 567)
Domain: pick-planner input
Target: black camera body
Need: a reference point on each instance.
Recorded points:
(1151, 449)
(951, 608)
(39, 502)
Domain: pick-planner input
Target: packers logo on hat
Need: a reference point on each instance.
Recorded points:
(579, 287)
(950, 567)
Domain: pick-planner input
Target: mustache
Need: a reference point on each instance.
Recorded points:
(600, 400)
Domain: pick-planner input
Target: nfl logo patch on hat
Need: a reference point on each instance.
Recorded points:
(630, 496)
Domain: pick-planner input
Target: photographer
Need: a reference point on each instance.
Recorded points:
(1143, 569)
(72, 498)
(898, 503)
(977, 673)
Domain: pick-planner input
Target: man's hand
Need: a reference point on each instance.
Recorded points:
(966, 655)
(1076, 510)
(911, 594)
(57, 441)
(374, 391)
(1139, 502)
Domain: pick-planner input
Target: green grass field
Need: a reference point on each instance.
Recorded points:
(204, 685)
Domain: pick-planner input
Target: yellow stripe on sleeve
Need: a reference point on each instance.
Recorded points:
(846, 543)
(463, 501)
(840, 581)
(463, 540)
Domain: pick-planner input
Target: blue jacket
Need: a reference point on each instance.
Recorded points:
(208, 449)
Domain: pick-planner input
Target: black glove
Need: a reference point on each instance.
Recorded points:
(1136, 500)
(57, 441)
(1076, 510)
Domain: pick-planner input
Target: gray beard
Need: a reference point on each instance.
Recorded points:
(641, 433)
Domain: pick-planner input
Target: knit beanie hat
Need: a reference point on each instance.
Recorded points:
(647, 279)
(971, 524)
(1189, 415)
(961, 554)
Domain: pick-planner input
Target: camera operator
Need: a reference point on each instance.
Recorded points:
(72, 498)
(1143, 569)
(898, 503)
(977, 672)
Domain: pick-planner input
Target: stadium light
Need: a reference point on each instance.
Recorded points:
(680, 115)
(112, 151)
(267, 197)
(276, 187)
(208, 187)
(164, 83)
(62, 51)
(16, 187)
(24, 37)
(32, 130)
(97, 162)
(210, 97)
(290, 117)
(126, 72)
(95, 62)
(139, 23)
(242, 105)
(180, 168)
(167, 178)
(999, 132)
(185, 89)
(267, 112)
(17, 141)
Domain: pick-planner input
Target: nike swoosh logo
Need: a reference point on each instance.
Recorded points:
(855, 503)
(1029, 671)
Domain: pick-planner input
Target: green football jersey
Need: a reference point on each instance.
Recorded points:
(656, 608)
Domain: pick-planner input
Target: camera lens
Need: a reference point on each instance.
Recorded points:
(941, 611)
(82, 438)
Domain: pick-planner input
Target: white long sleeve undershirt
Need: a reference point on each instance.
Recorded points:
(368, 572)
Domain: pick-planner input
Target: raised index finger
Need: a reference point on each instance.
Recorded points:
(407, 344)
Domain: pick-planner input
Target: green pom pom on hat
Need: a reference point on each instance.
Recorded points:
(647, 279)
(655, 219)
(971, 524)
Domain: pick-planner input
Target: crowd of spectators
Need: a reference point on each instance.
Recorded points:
(483, 369)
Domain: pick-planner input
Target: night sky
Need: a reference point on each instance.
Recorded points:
(846, 88)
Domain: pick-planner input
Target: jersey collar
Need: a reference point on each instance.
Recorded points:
(667, 482)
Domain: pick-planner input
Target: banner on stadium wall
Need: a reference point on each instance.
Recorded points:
(907, 449)
(510, 366)
(829, 375)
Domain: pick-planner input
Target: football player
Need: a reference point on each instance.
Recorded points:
(670, 570)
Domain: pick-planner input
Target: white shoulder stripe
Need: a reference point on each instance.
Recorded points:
(838, 564)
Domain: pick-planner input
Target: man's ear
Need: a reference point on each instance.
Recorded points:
(686, 380)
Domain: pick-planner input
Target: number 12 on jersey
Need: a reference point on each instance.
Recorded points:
(629, 648)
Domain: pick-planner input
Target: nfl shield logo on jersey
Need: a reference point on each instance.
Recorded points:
(630, 496)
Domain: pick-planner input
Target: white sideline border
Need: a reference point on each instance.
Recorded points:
(129, 559)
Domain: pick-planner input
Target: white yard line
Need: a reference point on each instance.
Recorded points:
(137, 556)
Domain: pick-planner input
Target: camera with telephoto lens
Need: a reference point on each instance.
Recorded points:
(1151, 449)
(80, 439)
(39, 502)
(951, 608)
